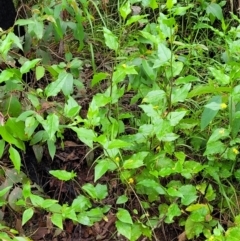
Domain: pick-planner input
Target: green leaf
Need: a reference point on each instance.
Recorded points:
(101, 191)
(63, 175)
(40, 72)
(175, 70)
(102, 167)
(56, 86)
(51, 125)
(220, 77)
(90, 189)
(81, 203)
(10, 139)
(215, 10)
(216, 147)
(36, 200)
(75, 64)
(188, 79)
(4, 191)
(150, 111)
(149, 70)
(125, 10)
(169, 137)
(150, 3)
(71, 108)
(28, 65)
(85, 135)
(209, 114)
(170, 3)
(213, 106)
(202, 90)
(118, 144)
(210, 193)
(48, 203)
(124, 216)
(189, 194)
(51, 148)
(219, 133)
(155, 97)
(57, 220)
(180, 94)
(137, 231)
(15, 158)
(233, 234)
(98, 77)
(2, 147)
(193, 228)
(83, 219)
(111, 40)
(173, 211)
(124, 229)
(151, 184)
(121, 199)
(135, 18)
(173, 192)
(12, 105)
(236, 123)
(164, 55)
(182, 10)
(175, 117)
(135, 161)
(27, 215)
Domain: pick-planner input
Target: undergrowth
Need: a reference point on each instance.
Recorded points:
(162, 115)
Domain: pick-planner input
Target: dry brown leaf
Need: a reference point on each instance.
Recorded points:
(182, 236)
(136, 10)
(1, 119)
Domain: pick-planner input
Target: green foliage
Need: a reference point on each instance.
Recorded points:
(176, 152)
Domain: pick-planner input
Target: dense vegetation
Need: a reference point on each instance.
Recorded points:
(122, 120)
